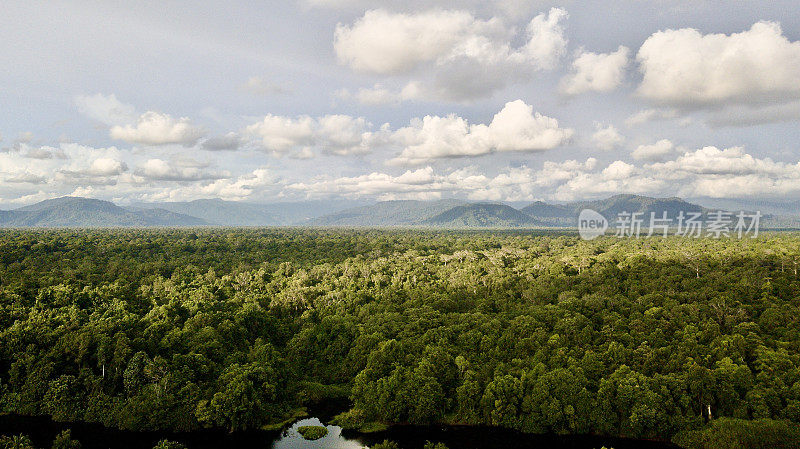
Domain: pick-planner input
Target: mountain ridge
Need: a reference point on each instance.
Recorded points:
(69, 211)
(446, 213)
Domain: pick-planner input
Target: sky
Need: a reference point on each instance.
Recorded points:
(511, 100)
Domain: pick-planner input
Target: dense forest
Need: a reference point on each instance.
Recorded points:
(694, 341)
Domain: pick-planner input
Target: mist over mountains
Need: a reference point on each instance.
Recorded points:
(448, 214)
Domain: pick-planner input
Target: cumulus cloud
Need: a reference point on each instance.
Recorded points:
(100, 171)
(336, 134)
(468, 57)
(730, 161)
(67, 164)
(563, 180)
(707, 171)
(598, 72)
(87, 166)
(689, 69)
(607, 138)
(655, 152)
(423, 183)
(515, 128)
(105, 109)
(155, 128)
(161, 170)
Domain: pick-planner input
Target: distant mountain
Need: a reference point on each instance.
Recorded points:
(387, 213)
(786, 208)
(85, 212)
(567, 214)
(219, 212)
(234, 213)
(617, 204)
(482, 215)
(551, 214)
(450, 213)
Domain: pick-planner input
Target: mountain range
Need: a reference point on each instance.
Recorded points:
(449, 213)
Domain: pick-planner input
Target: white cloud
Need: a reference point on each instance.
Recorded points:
(729, 161)
(607, 138)
(655, 152)
(422, 183)
(515, 128)
(154, 128)
(106, 167)
(648, 115)
(86, 166)
(598, 72)
(389, 43)
(105, 109)
(686, 68)
(41, 195)
(467, 57)
(336, 134)
(258, 182)
(281, 134)
(555, 173)
(161, 170)
(379, 95)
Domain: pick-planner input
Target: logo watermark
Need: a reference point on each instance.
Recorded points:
(591, 224)
(715, 224)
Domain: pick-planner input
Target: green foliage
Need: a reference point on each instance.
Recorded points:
(312, 432)
(64, 441)
(16, 442)
(729, 433)
(429, 445)
(167, 444)
(351, 420)
(386, 444)
(239, 329)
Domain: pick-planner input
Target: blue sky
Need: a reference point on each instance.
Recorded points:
(505, 101)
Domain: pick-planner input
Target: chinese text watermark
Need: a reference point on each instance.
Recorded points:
(715, 224)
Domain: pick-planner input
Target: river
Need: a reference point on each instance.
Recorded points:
(42, 431)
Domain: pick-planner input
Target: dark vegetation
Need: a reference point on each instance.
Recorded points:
(696, 340)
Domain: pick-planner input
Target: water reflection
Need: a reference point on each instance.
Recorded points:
(291, 438)
(93, 436)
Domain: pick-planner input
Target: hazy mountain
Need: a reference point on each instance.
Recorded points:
(551, 214)
(567, 214)
(234, 213)
(482, 215)
(219, 212)
(85, 212)
(787, 208)
(618, 204)
(387, 213)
